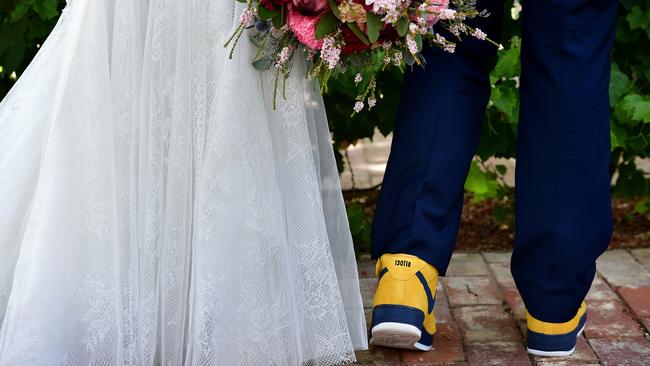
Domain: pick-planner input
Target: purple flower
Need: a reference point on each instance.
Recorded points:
(262, 26)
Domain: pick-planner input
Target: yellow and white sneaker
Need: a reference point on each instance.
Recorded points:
(402, 315)
(555, 339)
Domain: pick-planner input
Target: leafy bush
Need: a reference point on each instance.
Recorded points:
(629, 96)
(24, 24)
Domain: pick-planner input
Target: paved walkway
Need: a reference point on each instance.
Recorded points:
(481, 316)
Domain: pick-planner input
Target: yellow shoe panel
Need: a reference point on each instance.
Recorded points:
(542, 327)
(400, 284)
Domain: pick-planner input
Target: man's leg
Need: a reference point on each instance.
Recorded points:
(439, 121)
(438, 128)
(563, 185)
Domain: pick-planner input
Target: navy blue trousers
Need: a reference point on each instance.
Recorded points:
(563, 208)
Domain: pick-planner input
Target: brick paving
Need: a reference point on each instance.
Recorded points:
(481, 316)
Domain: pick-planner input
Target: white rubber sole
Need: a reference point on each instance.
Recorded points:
(397, 335)
(556, 353)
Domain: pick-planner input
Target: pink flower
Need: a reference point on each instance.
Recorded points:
(304, 27)
(457, 29)
(479, 34)
(437, 5)
(284, 56)
(302, 18)
(436, 10)
(358, 106)
(310, 7)
(447, 14)
(330, 53)
(412, 46)
(247, 18)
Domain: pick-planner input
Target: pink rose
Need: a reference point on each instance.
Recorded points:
(310, 7)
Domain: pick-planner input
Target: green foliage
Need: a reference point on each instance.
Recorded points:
(630, 100)
(481, 182)
(360, 223)
(24, 24)
(326, 25)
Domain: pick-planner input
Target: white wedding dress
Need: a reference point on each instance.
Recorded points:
(155, 210)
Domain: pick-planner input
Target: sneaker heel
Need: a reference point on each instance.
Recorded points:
(397, 326)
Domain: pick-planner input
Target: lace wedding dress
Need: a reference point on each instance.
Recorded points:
(155, 210)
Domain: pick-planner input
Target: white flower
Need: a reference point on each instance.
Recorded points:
(516, 10)
(398, 59)
(412, 45)
(479, 34)
(358, 106)
(383, 6)
(447, 14)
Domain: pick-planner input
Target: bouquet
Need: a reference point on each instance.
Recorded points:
(360, 36)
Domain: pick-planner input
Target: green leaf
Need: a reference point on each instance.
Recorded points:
(505, 98)
(19, 11)
(46, 9)
(418, 41)
(357, 218)
(642, 206)
(326, 25)
(358, 32)
(278, 22)
(638, 18)
(263, 63)
(618, 136)
(638, 107)
(480, 183)
(402, 26)
(335, 8)
(374, 26)
(619, 83)
(508, 65)
(266, 14)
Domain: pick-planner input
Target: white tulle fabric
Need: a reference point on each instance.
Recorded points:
(155, 210)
